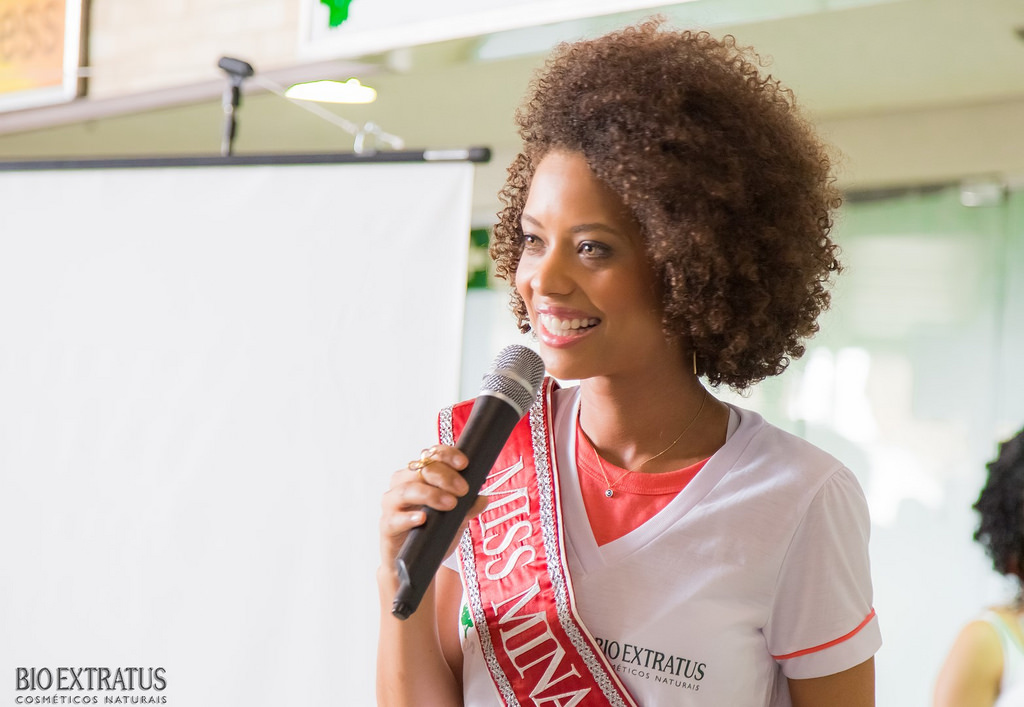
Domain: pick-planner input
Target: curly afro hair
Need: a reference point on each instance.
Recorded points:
(1001, 507)
(730, 187)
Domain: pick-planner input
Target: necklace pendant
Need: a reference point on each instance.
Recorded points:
(608, 493)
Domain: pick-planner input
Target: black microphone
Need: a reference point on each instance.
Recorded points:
(507, 393)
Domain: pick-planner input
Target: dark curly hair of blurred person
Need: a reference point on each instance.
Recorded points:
(730, 186)
(1001, 507)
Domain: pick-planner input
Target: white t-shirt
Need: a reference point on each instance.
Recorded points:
(1011, 683)
(757, 571)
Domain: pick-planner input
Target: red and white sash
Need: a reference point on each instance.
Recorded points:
(516, 576)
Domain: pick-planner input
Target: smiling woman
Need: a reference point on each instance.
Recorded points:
(584, 278)
(730, 188)
(644, 543)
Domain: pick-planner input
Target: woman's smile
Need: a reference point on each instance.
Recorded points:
(562, 327)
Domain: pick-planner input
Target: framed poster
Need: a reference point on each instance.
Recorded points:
(369, 26)
(40, 42)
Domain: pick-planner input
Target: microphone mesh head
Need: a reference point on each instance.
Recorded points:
(515, 375)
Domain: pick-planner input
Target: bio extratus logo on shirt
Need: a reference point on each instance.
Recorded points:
(647, 663)
(69, 685)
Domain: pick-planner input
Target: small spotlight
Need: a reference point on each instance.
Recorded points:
(350, 91)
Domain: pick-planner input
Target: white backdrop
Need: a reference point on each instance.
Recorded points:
(206, 377)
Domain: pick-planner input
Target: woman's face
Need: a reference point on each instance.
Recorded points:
(584, 276)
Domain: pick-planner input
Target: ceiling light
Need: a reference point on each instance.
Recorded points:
(350, 91)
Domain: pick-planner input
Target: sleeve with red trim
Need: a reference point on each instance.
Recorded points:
(822, 619)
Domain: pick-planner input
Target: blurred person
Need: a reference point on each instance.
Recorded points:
(668, 218)
(985, 666)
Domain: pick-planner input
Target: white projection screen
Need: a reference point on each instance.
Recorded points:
(207, 376)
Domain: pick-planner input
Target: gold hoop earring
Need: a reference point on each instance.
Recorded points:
(695, 362)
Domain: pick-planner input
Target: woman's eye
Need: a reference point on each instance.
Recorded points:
(530, 241)
(594, 250)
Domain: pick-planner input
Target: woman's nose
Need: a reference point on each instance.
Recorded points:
(552, 274)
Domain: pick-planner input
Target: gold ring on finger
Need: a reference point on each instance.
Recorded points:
(427, 457)
(418, 466)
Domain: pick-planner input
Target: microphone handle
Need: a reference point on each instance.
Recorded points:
(490, 423)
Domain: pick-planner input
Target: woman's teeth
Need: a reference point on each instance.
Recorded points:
(560, 326)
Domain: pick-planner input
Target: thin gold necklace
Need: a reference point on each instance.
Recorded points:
(610, 486)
